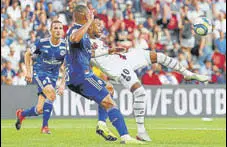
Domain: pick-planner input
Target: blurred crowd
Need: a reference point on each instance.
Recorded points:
(156, 25)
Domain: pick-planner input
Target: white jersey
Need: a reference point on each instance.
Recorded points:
(118, 69)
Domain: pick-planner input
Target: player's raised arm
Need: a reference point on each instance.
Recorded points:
(110, 51)
(83, 16)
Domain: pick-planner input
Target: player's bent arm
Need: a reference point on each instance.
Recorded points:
(61, 87)
(99, 52)
(77, 35)
(28, 61)
(110, 51)
(63, 74)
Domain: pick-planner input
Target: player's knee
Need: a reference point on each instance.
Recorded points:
(135, 86)
(108, 103)
(39, 109)
(52, 96)
(50, 93)
(110, 88)
(153, 56)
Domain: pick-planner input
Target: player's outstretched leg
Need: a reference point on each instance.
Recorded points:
(33, 111)
(20, 117)
(47, 107)
(174, 64)
(117, 121)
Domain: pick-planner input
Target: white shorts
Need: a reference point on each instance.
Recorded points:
(138, 58)
(123, 71)
(117, 69)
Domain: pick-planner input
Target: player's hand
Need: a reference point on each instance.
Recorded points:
(90, 15)
(61, 89)
(28, 77)
(94, 46)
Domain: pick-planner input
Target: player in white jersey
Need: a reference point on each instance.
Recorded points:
(120, 71)
(123, 71)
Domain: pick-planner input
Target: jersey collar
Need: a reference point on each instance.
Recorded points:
(53, 44)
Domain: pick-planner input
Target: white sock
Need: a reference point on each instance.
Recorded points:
(173, 64)
(139, 108)
(102, 123)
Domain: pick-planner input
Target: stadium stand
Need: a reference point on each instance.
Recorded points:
(129, 23)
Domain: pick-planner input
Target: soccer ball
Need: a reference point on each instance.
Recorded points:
(202, 26)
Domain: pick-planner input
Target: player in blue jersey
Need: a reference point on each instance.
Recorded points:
(48, 56)
(80, 78)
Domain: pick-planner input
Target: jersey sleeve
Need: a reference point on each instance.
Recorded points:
(35, 49)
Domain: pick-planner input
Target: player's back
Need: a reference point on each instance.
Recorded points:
(78, 57)
(135, 58)
(106, 60)
(48, 57)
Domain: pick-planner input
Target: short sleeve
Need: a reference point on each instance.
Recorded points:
(35, 49)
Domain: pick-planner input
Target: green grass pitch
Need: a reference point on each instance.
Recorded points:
(165, 132)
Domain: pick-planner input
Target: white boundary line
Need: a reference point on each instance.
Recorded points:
(86, 127)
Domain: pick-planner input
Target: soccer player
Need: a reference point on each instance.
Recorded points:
(80, 78)
(48, 56)
(123, 71)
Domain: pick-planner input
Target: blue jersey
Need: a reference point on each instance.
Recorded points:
(78, 56)
(48, 58)
(79, 76)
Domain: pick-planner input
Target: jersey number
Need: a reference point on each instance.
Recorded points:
(47, 80)
(125, 75)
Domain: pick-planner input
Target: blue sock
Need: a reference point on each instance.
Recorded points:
(47, 109)
(102, 114)
(117, 120)
(30, 112)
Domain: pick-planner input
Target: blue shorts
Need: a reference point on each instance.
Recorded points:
(91, 88)
(42, 81)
